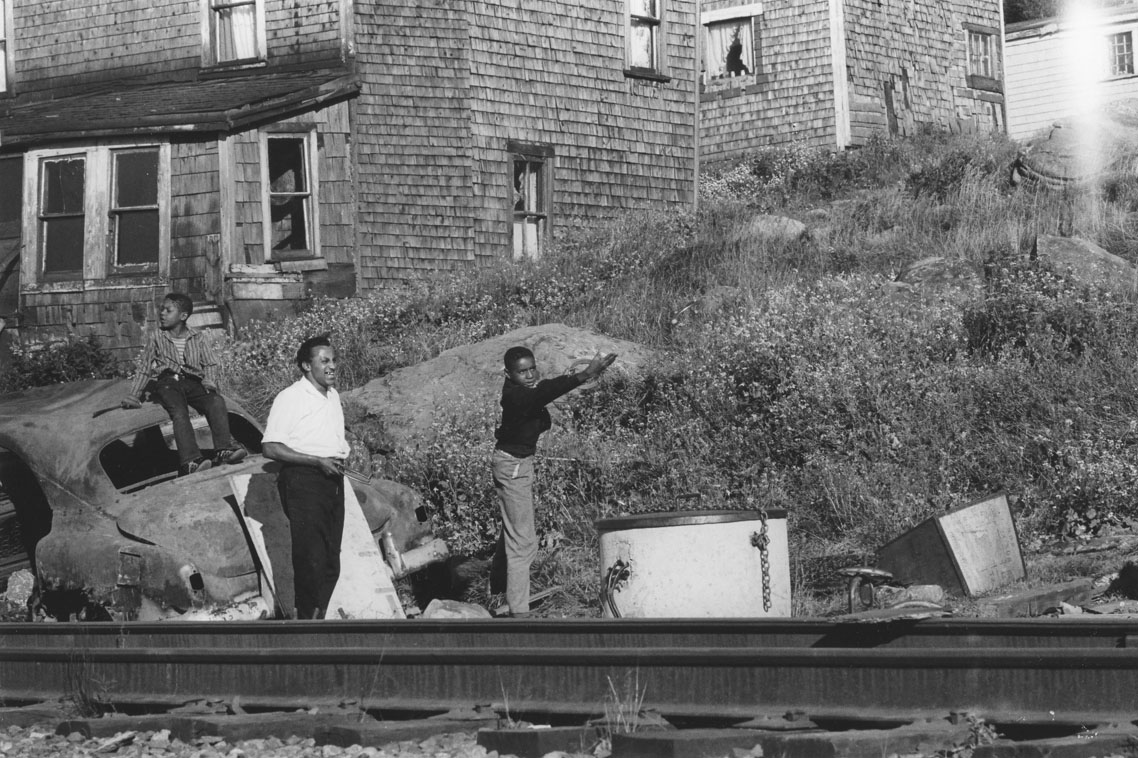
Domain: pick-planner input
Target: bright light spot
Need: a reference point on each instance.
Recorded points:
(1085, 57)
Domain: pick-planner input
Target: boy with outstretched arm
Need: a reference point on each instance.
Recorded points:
(179, 370)
(525, 396)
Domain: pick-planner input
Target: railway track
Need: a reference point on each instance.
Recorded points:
(1040, 671)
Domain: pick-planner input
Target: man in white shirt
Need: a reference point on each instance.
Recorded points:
(305, 433)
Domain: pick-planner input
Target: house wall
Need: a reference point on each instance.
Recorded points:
(69, 44)
(904, 62)
(413, 139)
(552, 73)
(789, 99)
(446, 85)
(1043, 77)
(907, 63)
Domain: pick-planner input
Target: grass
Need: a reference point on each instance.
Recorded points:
(789, 372)
(807, 388)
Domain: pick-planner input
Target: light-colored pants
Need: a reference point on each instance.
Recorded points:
(513, 481)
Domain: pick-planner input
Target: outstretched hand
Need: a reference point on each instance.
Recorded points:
(599, 364)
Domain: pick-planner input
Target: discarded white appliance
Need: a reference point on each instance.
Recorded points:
(695, 564)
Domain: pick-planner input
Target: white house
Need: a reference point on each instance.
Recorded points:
(1067, 66)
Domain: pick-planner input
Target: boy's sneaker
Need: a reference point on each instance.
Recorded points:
(198, 464)
(230, 455)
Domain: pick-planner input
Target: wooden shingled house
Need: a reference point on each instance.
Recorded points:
(831, 73)
(255, 152)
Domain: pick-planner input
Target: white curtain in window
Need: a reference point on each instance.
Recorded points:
(237, 32)
(730, 49)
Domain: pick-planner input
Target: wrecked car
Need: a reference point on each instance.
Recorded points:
(112, 531)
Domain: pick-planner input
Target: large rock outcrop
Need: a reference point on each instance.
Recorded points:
(412, 404)
(1087, 262)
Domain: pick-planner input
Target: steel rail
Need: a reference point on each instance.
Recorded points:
(1039, 670)
(1084, 631)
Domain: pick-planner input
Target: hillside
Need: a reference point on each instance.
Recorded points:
(795, 371)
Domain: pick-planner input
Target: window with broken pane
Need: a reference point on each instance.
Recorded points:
(290, 198)
(134, 208)
(61, 217)
(643, 34)
(530, 204)
(233, 30)
(730, 49)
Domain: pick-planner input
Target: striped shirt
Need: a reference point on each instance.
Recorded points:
(161, 353)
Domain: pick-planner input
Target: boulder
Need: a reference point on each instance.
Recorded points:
(440, 608)
(1086, 261)
(774, 228)
(938, 275)
(413, 404)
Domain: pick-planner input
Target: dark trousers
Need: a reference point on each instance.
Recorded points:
(314, 504)
(177, 396)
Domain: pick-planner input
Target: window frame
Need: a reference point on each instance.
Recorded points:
(1112, 53)
(544, 156)
(311, 153)
(7, 57)
(991, 81)
(44, 218)
(113, 226)
(98, 242)
(658, 24)
(211, 54)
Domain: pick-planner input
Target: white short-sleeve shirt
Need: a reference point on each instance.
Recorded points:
(308, 421)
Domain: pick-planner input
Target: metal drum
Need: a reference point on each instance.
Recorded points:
(695, 564)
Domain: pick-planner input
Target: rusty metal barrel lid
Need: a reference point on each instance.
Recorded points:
(658, 519)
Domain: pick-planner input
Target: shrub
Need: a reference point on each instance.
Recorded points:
(61, 361)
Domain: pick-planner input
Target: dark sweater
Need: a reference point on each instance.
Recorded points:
(524, 416)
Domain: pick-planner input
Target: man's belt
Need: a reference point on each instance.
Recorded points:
(177, 375)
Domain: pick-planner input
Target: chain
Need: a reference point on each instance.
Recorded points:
(615, 578)
(762, 541)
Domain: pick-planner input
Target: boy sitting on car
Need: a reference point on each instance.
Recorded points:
(179, 370)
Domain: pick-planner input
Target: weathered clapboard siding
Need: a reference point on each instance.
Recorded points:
(447, 86)
(552, 73)
(194, 218)
(911, 56)
(1047, 76)
(67, 44)
(904, 64)
(303, 31)
(790, 99)
(117, 315)
(70, 43)
(413, 139)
